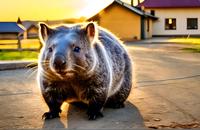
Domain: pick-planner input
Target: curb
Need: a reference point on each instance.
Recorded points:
(155, 42)
(10, 65)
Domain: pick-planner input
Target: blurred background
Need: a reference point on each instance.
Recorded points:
(19, 22)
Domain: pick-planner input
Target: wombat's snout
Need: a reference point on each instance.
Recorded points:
(59, 63)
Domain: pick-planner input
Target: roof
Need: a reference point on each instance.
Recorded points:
(28, 24)
(131, 8)
(10, 27)
(135, 10)
(170, 3)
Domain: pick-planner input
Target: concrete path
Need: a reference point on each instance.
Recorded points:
(166, 94)
(167, 82)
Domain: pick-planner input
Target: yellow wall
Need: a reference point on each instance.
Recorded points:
(33, 30)
(121, 21)
(25, 35)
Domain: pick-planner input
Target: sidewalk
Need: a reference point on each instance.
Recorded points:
(165, 94)
(154, 40)
(160, 40)
(19, 64)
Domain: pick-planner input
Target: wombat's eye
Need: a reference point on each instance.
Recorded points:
(50, 49)
(76, 49)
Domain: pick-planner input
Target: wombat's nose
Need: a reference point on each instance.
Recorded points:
(59, 62)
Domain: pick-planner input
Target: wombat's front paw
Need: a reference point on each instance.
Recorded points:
(92, 115)
(50, 115)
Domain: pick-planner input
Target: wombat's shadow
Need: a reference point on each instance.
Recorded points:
(124, 118)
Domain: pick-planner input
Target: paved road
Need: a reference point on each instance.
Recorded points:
(165, 94)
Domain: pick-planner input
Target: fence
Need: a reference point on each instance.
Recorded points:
(20, 44)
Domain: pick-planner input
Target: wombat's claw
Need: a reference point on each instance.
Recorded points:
(50, 115)
(93, 115)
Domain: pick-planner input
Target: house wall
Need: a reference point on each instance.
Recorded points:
(32, 32)
(8, 36)
(148, 30)
(25, 35)
(181, 15)
(121, 21)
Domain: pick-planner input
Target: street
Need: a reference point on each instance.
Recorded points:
(165, 94)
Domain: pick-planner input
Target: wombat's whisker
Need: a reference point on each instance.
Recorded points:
(49, 75)
(33, 72)
(45, 64)
(30, 70)
(44, 61)
(31, 65)
(35, 67)
(72, 70)
(79, 66)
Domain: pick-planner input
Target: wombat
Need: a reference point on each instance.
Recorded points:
(82, 63)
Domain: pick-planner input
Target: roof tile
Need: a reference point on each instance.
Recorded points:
(10, 27)
(170, 3)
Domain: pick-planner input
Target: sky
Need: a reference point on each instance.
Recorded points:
(49, 9)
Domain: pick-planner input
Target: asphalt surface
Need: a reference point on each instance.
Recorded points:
(165, 94)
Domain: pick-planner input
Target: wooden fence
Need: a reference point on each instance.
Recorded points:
(20, 44)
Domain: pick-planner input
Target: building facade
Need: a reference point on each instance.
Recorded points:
(31, 29)
(125, 21)
(175, 17)
(10, 30)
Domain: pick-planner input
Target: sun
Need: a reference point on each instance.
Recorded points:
(93, 8)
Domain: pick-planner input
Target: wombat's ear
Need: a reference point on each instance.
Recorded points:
(44, 31)
(92, 31)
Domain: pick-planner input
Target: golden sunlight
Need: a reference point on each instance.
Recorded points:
(49, 10)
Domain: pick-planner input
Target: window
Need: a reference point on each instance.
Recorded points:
(152, 12)
(192, 23)
(170, 24)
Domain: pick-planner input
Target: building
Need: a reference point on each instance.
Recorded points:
(10, 30)
(125, 21)
(31, 29)
(175, 17)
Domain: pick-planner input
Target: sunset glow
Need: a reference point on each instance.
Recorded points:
(49, 9)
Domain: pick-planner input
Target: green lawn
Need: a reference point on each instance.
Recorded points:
(193, 49)
(194, 42)
(18, 55)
